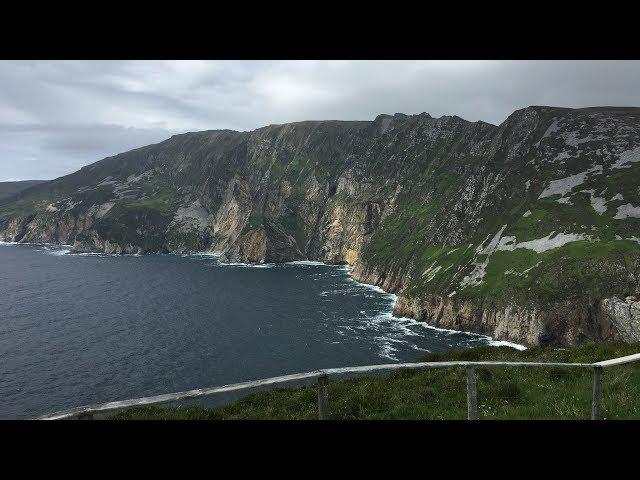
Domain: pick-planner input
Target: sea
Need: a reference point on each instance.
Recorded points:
(78, 329)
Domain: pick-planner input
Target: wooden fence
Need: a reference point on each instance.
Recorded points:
(322, 378)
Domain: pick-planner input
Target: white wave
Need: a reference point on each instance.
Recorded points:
(357, 291)
(58, 252)
(386, 351)
(306, 262)
(49, 248)
(391, 339)
(103, 254)
(35, 244)
(404, 322)
(420, 349)
(206, 254)
(504, 343)
(403, 326)
(59, 249)
(248, 265)
(375, 288)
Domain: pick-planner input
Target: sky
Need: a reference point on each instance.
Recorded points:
(57, 116)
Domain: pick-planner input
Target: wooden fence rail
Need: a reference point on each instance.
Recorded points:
(322, 378)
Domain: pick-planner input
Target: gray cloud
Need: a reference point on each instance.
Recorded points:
(56, 116)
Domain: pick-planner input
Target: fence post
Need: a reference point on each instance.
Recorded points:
(597, 388)
(472, 394)
(323, 397)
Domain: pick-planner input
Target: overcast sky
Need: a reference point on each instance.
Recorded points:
(56, 116)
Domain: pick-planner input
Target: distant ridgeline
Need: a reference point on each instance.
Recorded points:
(528, 231)
(9, 189)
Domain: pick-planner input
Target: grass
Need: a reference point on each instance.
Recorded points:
(577, 270)
(255, 221)
(34, 203)
(139, 222)
(411, 223)
(503, 393)
(294, 226)
(415, 235)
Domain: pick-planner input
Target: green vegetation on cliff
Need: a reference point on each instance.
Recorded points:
(9, 189)
(503, 393)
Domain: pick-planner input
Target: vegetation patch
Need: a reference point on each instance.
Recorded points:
(294, 226)
(255, 221)
(503, 393)
(580, 270)
(410, 223)
(140, 222)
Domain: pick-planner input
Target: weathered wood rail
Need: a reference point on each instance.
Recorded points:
(322, 378)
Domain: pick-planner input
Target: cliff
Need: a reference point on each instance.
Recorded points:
(527, 231)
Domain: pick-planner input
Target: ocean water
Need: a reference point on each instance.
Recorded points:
(80, 329)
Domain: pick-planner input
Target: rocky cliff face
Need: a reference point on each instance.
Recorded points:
(525, 231)
(624, 315)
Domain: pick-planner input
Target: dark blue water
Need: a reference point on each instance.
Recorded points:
(78, 329)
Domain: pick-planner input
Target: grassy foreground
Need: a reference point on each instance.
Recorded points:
(503, 393)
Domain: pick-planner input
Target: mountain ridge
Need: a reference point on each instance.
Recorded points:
(10, 188)
(526, 231)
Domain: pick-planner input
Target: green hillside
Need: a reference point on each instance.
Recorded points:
(8, 189)
(503, 393)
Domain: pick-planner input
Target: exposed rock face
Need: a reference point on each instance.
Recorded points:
(624, 315)
(509, 323)
(519, 231)
(562, 324)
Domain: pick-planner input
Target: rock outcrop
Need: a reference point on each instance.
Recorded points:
(624, 315)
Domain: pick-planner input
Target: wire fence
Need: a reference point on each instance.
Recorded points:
(322, 379)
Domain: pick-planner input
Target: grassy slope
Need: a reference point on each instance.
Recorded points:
(514, 393)
(7, 189)
(587, 269)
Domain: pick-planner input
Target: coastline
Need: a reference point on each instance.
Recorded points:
(492, 342)
(347, 268)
